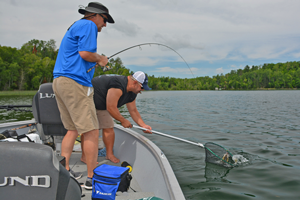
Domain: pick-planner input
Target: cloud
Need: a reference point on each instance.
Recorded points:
(126, 28)
(218, 33)
(233, 67)
(175, 70)
(177, 42)
(13, 2)
(296, 55)
(141, 61)
(220, 70)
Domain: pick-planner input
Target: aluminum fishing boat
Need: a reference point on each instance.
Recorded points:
(30, 170)
(151, 171)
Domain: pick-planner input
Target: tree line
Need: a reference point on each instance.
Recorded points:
(26, 68)
(266, 76)
(31, 65)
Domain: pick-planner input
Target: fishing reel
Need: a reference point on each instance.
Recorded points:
(106, 68)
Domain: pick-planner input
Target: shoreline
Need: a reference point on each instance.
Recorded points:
(33, 92)
(18, 93)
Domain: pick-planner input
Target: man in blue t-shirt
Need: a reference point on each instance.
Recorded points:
(72, 84)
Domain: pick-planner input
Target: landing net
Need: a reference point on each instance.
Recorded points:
(218, 155)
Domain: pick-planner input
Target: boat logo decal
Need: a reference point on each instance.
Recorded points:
(33, 181)
(47, 96)
(102, 193)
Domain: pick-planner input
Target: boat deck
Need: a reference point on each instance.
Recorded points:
(134, 192)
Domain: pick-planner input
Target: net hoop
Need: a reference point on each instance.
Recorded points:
(217, 155)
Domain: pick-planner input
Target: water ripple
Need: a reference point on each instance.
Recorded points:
(262, 126)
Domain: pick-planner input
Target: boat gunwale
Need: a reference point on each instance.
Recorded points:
(17, 123)
(157, 152)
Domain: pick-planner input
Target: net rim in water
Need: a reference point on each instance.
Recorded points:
(218, 152)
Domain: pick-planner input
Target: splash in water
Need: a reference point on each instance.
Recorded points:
(239, 159)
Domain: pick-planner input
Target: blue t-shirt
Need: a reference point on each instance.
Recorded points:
(82, 36)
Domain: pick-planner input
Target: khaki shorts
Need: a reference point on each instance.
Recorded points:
(76, 105)
(105, 120)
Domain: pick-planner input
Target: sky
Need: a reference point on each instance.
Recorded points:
(210, 36)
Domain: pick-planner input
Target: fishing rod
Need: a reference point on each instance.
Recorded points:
(139, 45)
(16, 107)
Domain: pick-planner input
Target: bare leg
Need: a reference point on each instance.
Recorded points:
(109, 140)
(67, 145)
(83, 159)
(82, 151)
(90, 149)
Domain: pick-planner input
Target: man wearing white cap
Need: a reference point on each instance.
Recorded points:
(112, 92)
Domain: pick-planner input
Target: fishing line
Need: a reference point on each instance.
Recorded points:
(139, 45)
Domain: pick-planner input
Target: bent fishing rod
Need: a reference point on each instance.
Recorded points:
(139, 45)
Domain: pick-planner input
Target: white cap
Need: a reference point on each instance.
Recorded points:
(142, 78)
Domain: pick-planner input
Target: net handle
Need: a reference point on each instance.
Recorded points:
(170, 136)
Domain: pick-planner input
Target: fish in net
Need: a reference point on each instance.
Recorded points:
(218, 155)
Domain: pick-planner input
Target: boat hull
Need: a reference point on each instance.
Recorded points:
(151, 167)
(151, 170)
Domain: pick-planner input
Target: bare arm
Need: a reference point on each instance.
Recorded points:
(93, 57)
(112, 98)
(135, 115)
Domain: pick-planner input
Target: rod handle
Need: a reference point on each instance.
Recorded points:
(97, 65)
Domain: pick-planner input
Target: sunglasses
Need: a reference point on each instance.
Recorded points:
(104, 19)
(141, 85)
(137, 82)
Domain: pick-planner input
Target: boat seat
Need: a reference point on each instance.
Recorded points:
(31, 171)
(45, 111)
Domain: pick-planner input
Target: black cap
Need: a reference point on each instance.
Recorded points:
(96, 7)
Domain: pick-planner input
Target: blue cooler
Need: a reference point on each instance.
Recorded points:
(106, 181)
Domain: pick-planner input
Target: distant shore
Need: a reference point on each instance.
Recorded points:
(33, 92)
(18, 93)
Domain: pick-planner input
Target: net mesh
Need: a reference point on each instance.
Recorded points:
(218, 155)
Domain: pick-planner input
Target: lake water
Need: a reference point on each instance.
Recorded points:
(263, 126)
